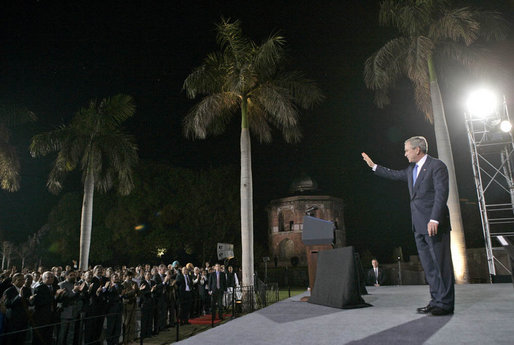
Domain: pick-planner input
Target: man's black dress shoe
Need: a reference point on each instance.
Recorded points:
(436, 311)
(424, 310)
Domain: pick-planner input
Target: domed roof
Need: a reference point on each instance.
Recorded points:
(302, 185)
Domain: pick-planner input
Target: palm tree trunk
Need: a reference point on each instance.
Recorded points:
(246, 199)
(3, 254)
(444, 150)
(86, 221)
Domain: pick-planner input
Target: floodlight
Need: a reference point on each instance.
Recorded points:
(505, 126)
(482, 103)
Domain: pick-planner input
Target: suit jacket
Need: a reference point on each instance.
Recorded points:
(160, 289)
(98, 305)
(372, 279)
(213, 282)
(17, 309)
(146, 300)
(428, 197)
(44, 303)
(181, 284)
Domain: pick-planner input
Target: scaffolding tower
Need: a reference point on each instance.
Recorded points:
(492, 157)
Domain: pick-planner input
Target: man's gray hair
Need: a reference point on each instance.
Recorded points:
(47, 274)
(418, 141)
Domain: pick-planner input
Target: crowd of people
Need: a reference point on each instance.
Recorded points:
(67, 306)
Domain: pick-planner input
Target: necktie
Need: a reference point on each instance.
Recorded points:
(414, 174)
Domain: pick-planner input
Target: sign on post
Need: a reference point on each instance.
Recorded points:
(225, 251)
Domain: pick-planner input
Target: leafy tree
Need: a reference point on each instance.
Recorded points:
(190, 211)
(431, 32)
(173, 208)
(249, 79)
(95, 143)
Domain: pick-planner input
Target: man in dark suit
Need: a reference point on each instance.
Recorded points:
(146, 303)
(44, 310)
(217, 288)
(375, 274)
(427, 179)
(185, 295)
(16, 305)
(97, 307)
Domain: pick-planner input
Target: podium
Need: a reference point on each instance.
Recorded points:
(317, 235)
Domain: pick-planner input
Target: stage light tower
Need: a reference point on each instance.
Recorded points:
(492, 153)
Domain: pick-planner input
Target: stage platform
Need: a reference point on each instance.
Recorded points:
(484, 314)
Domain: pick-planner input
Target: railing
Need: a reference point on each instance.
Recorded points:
(135, 322)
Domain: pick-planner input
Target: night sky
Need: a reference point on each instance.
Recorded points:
(57, 55)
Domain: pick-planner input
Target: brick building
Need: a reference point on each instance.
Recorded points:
(285, 219)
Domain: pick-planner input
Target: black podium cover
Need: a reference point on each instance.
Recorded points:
(337, 281)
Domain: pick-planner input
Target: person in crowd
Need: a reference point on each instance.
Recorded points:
(203, 290)
(197, 305)
(139, 275)
(57, 270)
(217, 288)
(232, 284)
(158, 295)
(97, 307)
(36, 279)
(17, 311)
(6, 281)
(375, 274)
(129, 294)
(146, 302)
(185, 291)
(171, 291)
(86, 300)
(67, 297)
(44, 303)
(111, 292)
(26, 289)
(175, 265)
(232, 279)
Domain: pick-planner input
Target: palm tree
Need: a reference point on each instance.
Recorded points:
(94, 142)
(246, 77)
(431, 32)
(11, 116)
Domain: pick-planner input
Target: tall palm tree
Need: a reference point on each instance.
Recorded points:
(11, 116)
(431, 32)
(95, 143)
(247, 78)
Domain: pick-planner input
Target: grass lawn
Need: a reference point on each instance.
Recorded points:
(283, 294)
